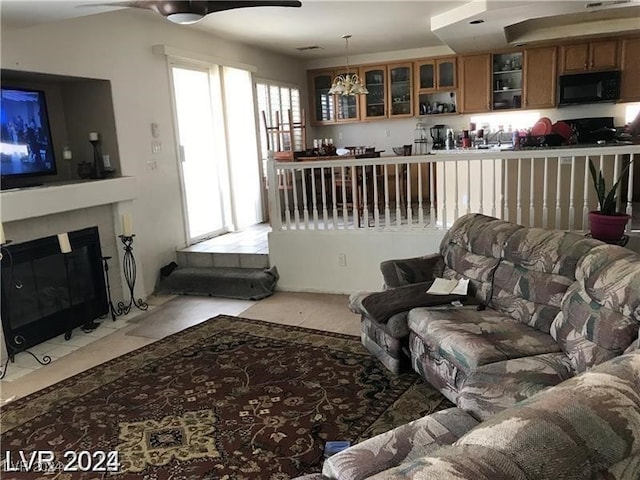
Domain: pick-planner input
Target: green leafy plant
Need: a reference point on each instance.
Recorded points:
(607, 200)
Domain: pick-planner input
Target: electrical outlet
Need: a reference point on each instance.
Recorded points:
(156, 146)
(339, 135)
(387, 132)
(565, 160)
(152, 165)
(342, 260)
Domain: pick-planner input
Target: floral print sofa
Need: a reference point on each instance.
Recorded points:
(553, 304)
(587, 427)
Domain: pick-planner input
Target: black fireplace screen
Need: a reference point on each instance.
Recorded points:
(46, 293)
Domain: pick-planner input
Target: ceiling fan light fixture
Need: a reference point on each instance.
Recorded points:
(185, 18)
(348, 83)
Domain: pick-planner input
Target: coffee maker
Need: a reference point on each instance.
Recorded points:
(437, 135)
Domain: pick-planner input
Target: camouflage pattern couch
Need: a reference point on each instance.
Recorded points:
(587, 427)
(557, 304)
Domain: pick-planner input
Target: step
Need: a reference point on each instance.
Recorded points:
(227, 260)
(227, 282)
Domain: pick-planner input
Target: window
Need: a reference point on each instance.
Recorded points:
(276, 100)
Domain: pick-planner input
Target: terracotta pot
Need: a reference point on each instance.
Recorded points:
(608, 227)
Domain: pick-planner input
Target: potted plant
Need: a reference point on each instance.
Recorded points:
(607, 224)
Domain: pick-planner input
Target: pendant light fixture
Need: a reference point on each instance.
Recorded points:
(348, 83)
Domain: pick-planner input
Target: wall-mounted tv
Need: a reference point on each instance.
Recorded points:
(26, 148)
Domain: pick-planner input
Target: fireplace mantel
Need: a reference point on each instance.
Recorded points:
(32, 202)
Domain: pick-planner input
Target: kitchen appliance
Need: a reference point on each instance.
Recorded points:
(437, 135)
(591, 87)
(593, 129)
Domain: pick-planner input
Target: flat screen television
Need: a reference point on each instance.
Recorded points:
(26, 148)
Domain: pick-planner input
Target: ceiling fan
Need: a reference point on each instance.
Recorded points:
(188, 12)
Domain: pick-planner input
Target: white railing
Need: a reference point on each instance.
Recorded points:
(547, 188)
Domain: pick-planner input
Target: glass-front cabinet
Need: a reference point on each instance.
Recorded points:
(507, 81)
(323, 104)
(374, 105)
(400, 90)
(436, 74)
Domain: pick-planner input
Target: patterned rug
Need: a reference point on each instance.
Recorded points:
(231, 398)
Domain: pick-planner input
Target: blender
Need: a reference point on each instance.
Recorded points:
(437, 135)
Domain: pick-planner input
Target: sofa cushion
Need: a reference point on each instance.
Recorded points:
(601, 311)
(402, 444)
(538, 267)
(469, 338)
(467, 462)
(472, 249)
(498, 386)
(574, 430)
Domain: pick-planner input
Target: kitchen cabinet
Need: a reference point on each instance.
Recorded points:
(474, 75)
(540, 75)
(374, 105)
(630, 72)
(400, 96)
(435, 74)
(591, 56)
(330, 109)
(435, 83)
(506, 80)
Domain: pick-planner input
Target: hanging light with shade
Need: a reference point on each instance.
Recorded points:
(348, 83)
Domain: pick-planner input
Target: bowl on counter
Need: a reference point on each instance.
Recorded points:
(403, 151)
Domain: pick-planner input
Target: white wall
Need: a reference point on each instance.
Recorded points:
(308, 260)
(117, 46)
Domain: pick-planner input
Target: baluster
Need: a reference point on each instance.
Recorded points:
(585, 201)
(376, 206)
(365, 198)
(572, 189)
(420, 209)
(545, 195)
(408, 197)
(398, 210)
(296, 212)
(505, 188)
(355, 201)
(532, 206)
(314, 199)
(493, 188)
(345, 211)
(387, 210)
(469, 186)
(287, 210)
(456, 198)
(444, 194)
(325, 211)
(558, 185)
(519, 194)
(433, 220)
(305, 206)
(480, 207)
(334, 198)
(616, 172)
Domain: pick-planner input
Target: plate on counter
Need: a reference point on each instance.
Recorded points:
(542, 127)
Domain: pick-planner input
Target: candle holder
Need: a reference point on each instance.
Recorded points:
(129, 271)
(13, 347)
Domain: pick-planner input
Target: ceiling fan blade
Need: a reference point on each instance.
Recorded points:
(221, 5)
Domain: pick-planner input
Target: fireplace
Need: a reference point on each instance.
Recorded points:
(46, 293)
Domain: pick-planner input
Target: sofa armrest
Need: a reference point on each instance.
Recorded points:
(405, 271)
(405, 443)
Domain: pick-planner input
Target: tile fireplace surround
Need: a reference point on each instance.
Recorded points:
(31, 213)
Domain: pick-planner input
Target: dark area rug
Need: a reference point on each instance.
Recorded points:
(230, 398)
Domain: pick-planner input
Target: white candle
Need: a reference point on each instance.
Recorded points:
(127, 225)
(93, 136)
(63, 241)
(2, 238)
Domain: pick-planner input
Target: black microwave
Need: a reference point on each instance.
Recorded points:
(591, 87)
